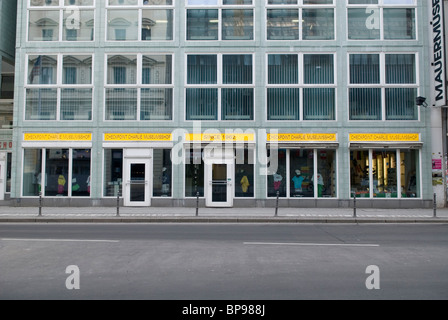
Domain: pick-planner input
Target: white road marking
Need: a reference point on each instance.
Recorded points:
(312, 244)
(58, 240)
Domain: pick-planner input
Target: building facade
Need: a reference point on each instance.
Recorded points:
(8, 11)
(236, 102)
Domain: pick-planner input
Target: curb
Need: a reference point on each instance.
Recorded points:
(206, 220)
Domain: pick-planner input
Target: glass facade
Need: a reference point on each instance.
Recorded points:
(132, 72)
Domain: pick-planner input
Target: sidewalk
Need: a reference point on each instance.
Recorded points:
(213, 215)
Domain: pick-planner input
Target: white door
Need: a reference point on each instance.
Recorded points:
(219, 183)
(138, 181)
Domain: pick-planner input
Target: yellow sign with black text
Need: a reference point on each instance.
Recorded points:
(234, 137)
(384, 137)
(302, 137)
(58, 137)
(157, 137)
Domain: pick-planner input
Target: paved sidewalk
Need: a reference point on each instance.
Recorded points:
(286, 215)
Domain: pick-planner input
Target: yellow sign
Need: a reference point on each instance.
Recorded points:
(58, 137)
(138, 137)
(303, 137)
(236, 137)
(386, 137)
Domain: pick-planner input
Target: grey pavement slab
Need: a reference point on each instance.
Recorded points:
(181, 214)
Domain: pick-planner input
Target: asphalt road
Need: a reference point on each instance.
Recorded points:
(223, 261)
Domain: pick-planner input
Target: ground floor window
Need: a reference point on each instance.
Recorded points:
(194, 173)
(381, 173)
(113, 173)
(57, 172)
(303, 173)
(244, 173)
(162, 173)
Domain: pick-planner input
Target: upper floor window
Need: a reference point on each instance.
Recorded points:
(59, 87)
(139, 87)
(300, 20)
(381, 19)
(220, 20)
(220, 87)
(383, 86)
(61, 20)
(301, 87)
(145, 20)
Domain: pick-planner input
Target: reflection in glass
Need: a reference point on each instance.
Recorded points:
(359, 173)
(32, 176)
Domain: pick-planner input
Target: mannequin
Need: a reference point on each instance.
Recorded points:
(298, 180)
(277, 181)
(320, 184)
(165, 181)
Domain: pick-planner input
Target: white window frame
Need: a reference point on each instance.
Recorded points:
(300, 6)
(139, 6)
(301, 85)
(219, 86)
(315, 172)
(381, 6)
(61, 8)
(138, 85)
(59, 83)
(69, 178)
(220, 6)
(371, 182)
(383, 85)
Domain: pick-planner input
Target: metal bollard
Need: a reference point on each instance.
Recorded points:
(435, 205)
(197, 204)
(118, 204)
(276, 205)
(354, 205)
(40, 204)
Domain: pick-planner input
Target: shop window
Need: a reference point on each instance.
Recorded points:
(244, 173)
(326, 174)
(113, 172)
(194, 173)
(359, 173)
(385, 174)
(410, 174)
(162, 173)
(56, 172)
(81, 173)
(301, 173)
(32, 172)
(277, 182)
(384, 166)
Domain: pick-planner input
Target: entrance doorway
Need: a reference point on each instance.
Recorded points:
(220, 188)
(138, 182)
